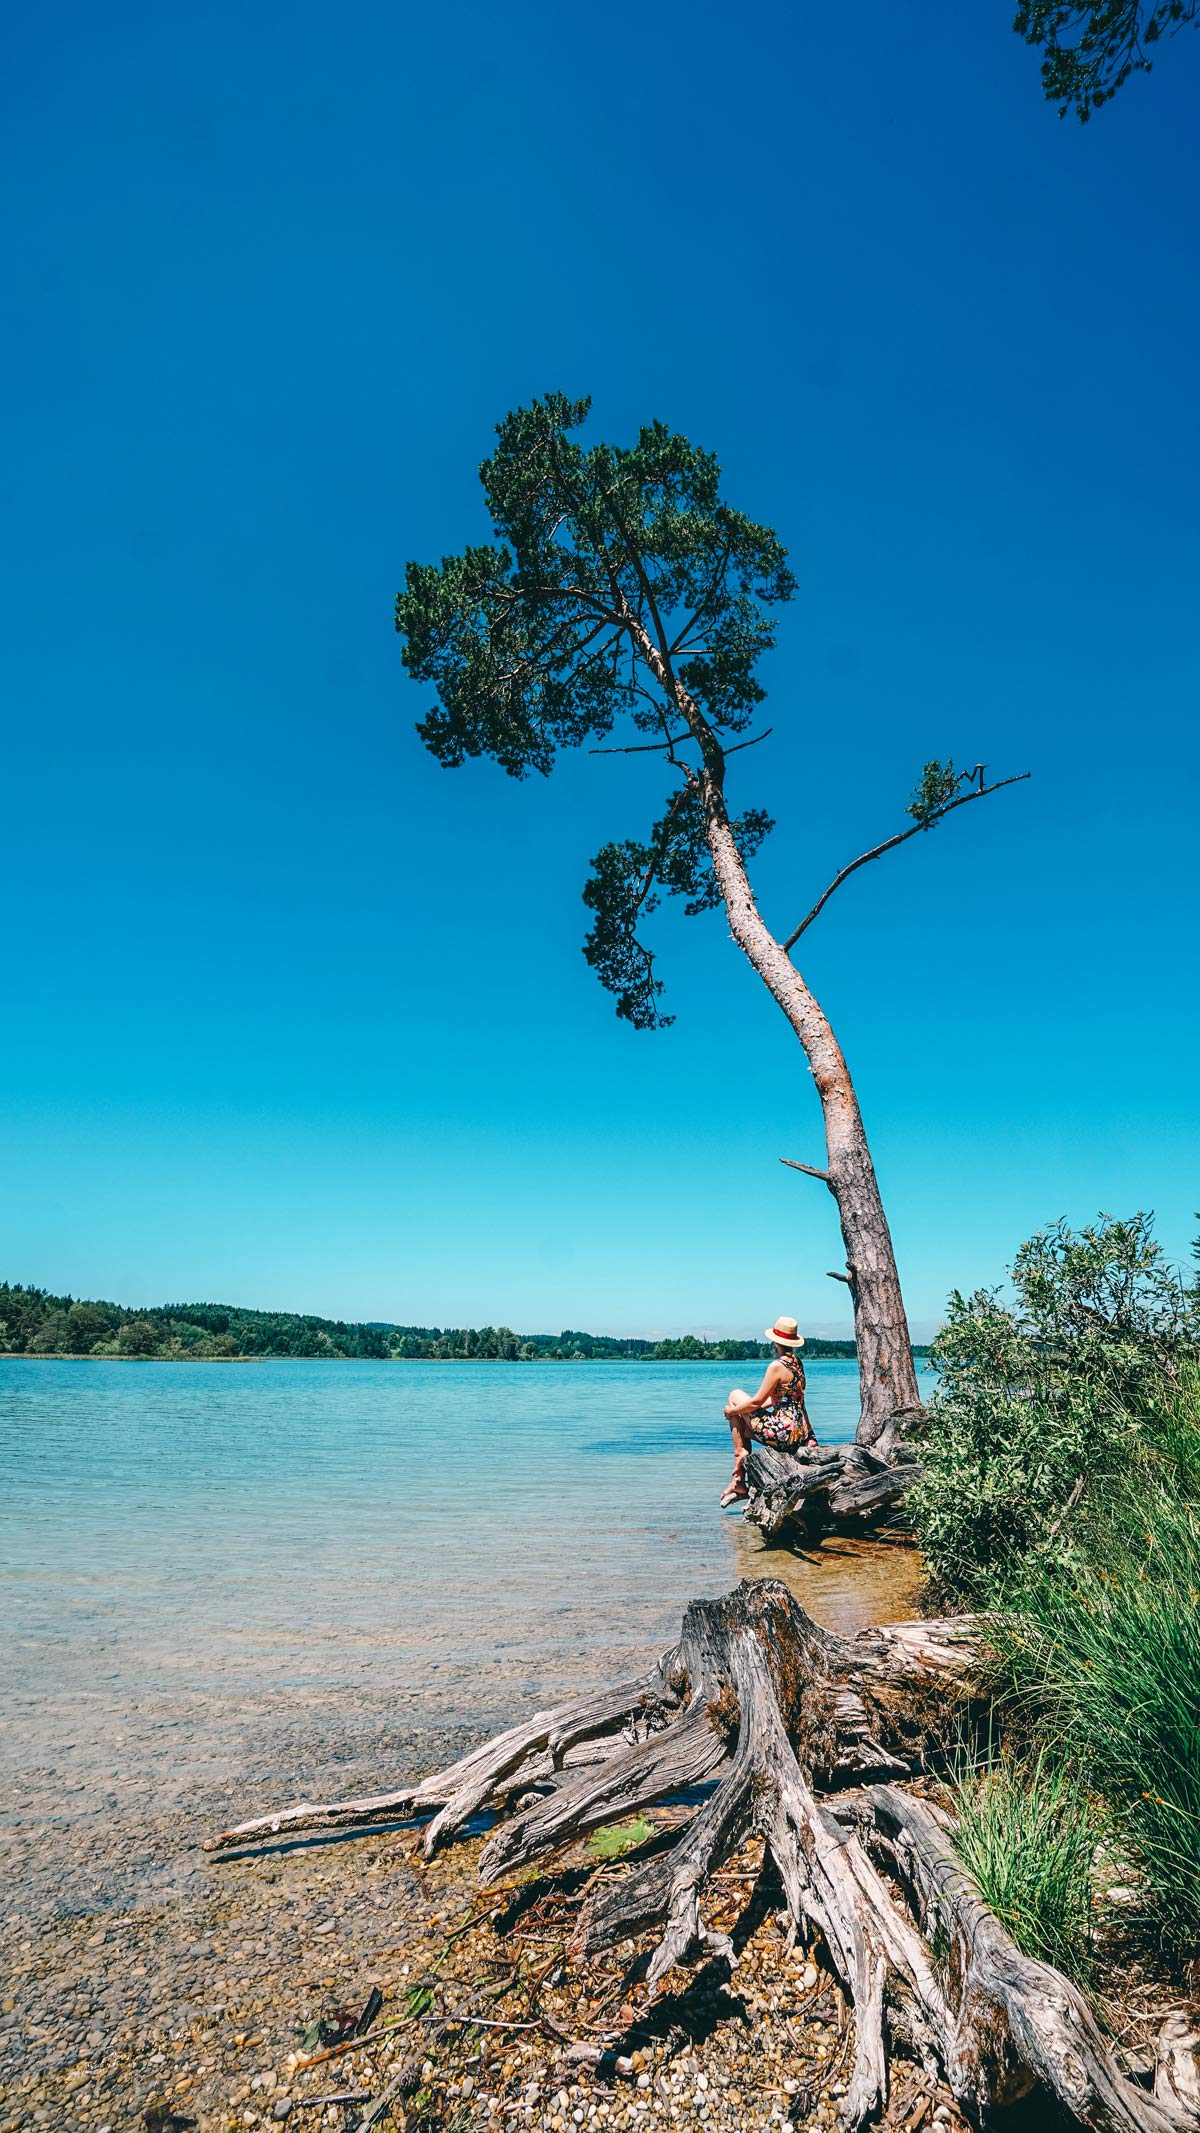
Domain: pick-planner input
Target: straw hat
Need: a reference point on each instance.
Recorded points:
(786, 1333)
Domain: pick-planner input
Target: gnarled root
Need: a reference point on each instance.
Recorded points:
(825, 1485)
(1009, 2022)
(526, 1754)
(770, 1709)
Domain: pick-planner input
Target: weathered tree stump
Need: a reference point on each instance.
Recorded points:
(771, 1710)
(850, 1486)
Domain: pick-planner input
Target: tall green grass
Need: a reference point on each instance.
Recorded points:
(1027, 1833)
(1107, 1648)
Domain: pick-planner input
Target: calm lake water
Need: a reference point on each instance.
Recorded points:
(183, 1546)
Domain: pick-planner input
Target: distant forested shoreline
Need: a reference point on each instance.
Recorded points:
(35, 1323)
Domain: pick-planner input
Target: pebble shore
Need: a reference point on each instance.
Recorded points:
(202, 2003)
(142, 1976)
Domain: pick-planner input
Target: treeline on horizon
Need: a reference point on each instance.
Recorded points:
(33, 1322)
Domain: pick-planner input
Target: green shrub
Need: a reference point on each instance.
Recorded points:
(1028, 1835)
(1037, 1394)
(1088, 1377)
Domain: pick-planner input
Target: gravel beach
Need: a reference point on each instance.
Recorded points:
(143, 1976)
(202, 2004)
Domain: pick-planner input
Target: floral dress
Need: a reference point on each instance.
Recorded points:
(786, 1422)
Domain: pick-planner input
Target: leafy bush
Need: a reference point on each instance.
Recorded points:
(1028, 1835)
(1038, 1394)
(1061, 1490)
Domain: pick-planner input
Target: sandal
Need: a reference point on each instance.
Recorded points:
(736, 1491)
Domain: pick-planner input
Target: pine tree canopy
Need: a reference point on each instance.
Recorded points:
(615, 571)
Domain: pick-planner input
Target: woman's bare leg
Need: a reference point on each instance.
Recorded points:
(740, 1435)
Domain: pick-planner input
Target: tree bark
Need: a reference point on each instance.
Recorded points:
(887, 1374)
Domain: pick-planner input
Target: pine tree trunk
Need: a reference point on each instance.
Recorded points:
(886, 1370)
(887, 1375)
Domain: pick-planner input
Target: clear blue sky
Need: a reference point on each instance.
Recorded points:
(295, 1018)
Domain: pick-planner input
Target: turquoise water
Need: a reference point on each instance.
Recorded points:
(182, 1545)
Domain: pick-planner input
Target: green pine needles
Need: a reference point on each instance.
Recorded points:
(1091, 47)
(615, 571)
(621, 586)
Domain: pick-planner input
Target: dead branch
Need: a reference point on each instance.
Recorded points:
(889, 844)
(822, 1485)
(810, 1170)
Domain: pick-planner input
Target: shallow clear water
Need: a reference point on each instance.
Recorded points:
(179, 1542)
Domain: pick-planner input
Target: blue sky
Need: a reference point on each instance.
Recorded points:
(295, 1018)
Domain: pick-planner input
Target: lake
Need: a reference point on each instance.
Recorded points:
(214, 1568)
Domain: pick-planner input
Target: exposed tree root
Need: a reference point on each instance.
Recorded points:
(1010, 2022)
(847, 1485)
(535, 1750)
(772, 1710)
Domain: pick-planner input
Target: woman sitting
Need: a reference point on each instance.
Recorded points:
(776, 1413)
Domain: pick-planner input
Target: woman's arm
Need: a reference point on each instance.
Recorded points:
(774, 1377)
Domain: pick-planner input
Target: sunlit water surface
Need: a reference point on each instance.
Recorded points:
(183, 1545)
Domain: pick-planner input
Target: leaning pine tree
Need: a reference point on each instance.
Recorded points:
(621, 585)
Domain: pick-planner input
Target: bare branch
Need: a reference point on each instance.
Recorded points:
(840, 1277)
(645, 747)
(902, 836)
(807, 1168)
(673, 740)
(764, 735)
(1066, 1511)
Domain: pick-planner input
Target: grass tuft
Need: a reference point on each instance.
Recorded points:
(1027, 1834)
(620, 1837)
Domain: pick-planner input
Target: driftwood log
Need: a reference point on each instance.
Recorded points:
(804, 1739)
(820, 1486)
